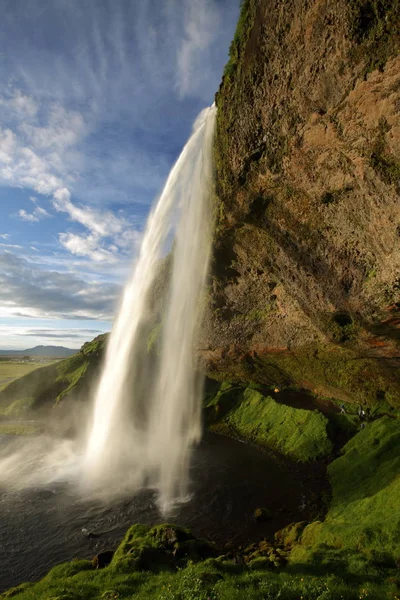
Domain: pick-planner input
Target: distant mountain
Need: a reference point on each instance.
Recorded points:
(45, 351)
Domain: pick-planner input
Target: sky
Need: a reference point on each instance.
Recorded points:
(97, 99)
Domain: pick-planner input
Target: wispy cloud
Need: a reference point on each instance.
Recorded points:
(202, 19)
(14, 246)
(26, 288)
(91, 119)
(38, 213)
(102, 224)
(25, 336)
(54, 333)
(27, 216)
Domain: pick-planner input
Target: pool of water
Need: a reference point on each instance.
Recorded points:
(42, 526)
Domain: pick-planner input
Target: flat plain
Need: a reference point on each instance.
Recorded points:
(11, 369)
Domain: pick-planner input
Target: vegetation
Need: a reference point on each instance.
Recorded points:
(168, 563)
(246, 413)
(241, 36)
(210, 580)
(13, 369)
(375, 27)
(17, 428)
(324, 369)
(361, 530)
(51, 384)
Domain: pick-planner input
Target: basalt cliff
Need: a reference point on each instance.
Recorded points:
(305, 285)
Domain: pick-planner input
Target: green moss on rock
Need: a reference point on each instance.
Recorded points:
(162, 547)
(362, 525)
(246, 413)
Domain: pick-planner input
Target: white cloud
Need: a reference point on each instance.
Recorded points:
(201, 25)
(38, 213)
(4, 236)
(82, 245)
(33, 156)
(101, 223)
(29, 289)
(19, 105)
(27, 216)
(62, 129)
(14, 246)
(20, 166)
(41, 212)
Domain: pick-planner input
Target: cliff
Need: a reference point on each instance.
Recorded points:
(305, 288)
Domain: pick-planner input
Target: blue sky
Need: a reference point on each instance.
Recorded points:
(97, 99)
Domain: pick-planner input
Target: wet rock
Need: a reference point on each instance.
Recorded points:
(289, 535)
(262, 514)
(102, 559)
(90, 534)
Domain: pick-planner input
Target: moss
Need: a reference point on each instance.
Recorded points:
(257, 314)
(375, 27)
(260, 579)
(246, 413)
(241, 36)
(162, 547)
(17, 429)
(290, 535)
(342, 327)
(72, 378)
(97, 345)
(52, 384)
(362, 526)
(262, 514)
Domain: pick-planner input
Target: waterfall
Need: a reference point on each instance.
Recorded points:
(147, 409)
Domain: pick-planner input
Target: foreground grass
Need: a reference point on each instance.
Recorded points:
(167, 563)
(206, 581)
(352, 554)
(299, 434)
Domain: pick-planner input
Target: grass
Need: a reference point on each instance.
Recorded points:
(362, 527)
(168, 578)
(241, 36)
(11, 370)
(53, 383)
(17, 429)
(299, 434)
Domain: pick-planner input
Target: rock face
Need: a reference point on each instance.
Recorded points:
(305, 286)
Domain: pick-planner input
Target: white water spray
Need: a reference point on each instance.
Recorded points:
(146, 416)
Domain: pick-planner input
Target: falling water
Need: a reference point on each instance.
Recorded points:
(147, 412)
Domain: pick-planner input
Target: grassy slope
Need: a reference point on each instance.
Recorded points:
(245, 412)
(50, 384)
(362, 526)
(12, 369)
(167, 563)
